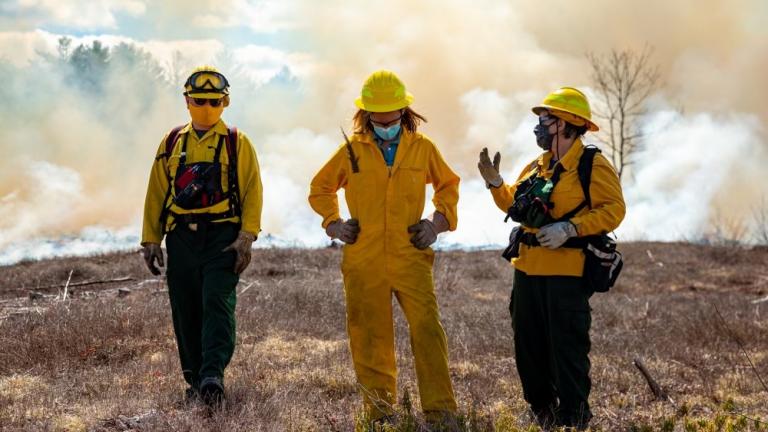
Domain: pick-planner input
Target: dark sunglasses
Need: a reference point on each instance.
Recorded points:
(202, 101)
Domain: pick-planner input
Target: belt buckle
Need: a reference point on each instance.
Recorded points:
(192, 226)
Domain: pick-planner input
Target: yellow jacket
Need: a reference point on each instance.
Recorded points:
(385, 200)
(607, 211)
(202, 150)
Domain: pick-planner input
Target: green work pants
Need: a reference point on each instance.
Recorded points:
(551, 320)
(201, 287)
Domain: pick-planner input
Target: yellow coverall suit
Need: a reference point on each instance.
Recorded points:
(386, 201)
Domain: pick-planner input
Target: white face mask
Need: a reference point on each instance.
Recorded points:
(387, 133)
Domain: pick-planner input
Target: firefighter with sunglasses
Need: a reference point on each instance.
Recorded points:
(205, 198)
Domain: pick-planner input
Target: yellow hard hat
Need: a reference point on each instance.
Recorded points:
(569, 104)
(206, 82)
(383, 92)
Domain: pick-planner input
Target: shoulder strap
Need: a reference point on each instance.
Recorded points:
(556, 175)
(232, 142)
(234, 188)
(170, 142)
(585, 171)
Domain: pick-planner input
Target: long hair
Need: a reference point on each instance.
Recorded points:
(410, 121)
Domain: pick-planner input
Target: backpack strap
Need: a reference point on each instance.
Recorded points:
(234, 188)
(170, 142)
(555, 179)
(584, 171)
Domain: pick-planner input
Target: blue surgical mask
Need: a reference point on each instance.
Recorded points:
(388, 133)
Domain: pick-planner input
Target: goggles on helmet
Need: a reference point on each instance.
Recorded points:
(206, 82)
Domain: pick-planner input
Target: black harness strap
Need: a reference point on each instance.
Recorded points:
(170, 143)
(234, 188)
(584, 170)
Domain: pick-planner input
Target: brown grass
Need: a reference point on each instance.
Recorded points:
(103, 362)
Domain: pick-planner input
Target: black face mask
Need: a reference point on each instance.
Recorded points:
(543, 137)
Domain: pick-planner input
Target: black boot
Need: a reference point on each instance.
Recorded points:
(212, 391)
(545, 418)
(191, 394)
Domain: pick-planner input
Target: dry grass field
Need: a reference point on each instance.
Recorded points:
(106, 361)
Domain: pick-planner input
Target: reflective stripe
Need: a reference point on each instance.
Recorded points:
(614, 265)
(600, 254)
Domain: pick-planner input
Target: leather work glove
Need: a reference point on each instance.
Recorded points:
(490, 171)
(242, 247)
(152, 252)
(554, 235)
(425, 232)
(344, 231)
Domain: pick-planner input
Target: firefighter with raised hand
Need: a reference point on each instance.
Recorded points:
(205, 198)
(560, 202)
(384, 169)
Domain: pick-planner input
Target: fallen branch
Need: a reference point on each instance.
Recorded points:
(84, 283)
(656, 389)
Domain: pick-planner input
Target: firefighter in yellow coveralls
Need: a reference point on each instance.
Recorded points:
(384, 169)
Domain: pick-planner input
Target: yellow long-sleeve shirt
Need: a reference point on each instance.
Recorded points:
(607, 212)
(202, 149)
(385, 200)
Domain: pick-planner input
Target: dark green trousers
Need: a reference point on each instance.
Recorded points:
(201, 287)
(551, 319)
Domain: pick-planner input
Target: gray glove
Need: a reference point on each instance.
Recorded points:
(242, 247)
(424, 234)
(490, 171)
(344, 231)
(152, 252)
(554, 235)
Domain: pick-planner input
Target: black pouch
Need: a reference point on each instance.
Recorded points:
(198, 185)
(513, 249)
(602, 263)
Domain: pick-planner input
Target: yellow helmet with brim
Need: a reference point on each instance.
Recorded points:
(569, 104)
(383, 91)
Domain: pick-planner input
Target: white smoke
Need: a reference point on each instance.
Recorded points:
(74, 177)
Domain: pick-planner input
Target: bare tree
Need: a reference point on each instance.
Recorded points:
(760, 216)
(624, 80)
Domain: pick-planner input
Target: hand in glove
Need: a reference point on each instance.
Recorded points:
(344, 231)
(242, 247)
(425, 232)
(152, 252)
(554, 235)
(490, 171)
